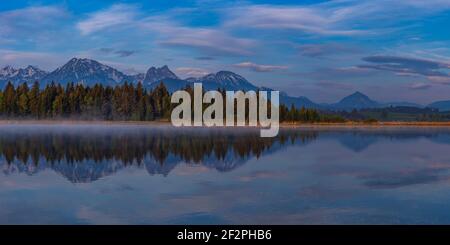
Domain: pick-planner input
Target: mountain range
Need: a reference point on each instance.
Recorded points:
(21, 75)
(90, 72)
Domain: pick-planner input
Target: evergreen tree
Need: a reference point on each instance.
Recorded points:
(9, 99)
(22, 100)
(33, 98)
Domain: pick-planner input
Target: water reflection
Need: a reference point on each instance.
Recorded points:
(161, 175)
(83, 153)
(87, 153)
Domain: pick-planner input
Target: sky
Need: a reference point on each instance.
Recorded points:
(390, 50)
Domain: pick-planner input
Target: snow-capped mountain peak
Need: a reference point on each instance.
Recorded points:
(21, 75)
(224, 79)
(87, 71)
(32, 72)
(8, 71)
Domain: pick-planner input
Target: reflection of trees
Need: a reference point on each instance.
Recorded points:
(137, 146)
(133, 146)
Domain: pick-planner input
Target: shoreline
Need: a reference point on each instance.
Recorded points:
(282, 125)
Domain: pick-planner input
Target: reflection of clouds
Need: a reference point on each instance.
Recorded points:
(318, 215)
(387, 164)
(24, 182)
(207, 198)
(190, 169)
(325, 192)
(21, 212)
(401, 178)
(93, 216)
(197, 217)
(118, 188)
(262, 174)
(322, 182)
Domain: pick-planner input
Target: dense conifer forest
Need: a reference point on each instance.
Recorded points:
(126, 102)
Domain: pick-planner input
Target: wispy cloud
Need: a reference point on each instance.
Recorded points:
(166, 29)
(119, 53)
(419, 86)
(339, 73)
(312, 19)
(332, 18)
(47, 61)
(325, 49)
(210, 41)
(20, 23)
(124, 53)
(260, 68)
(106, 50)
(191, 72)
(118, 14)
(204, 58)
(334, 85)
(440, 80)
(406, 65)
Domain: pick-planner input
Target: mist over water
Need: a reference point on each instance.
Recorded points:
(135, 174)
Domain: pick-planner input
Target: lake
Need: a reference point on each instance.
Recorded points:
(131, 174)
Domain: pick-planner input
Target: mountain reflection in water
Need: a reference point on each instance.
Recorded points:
(87, 153)
(83, 153)
(148, 174)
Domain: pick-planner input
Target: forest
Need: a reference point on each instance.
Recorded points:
(127, 102)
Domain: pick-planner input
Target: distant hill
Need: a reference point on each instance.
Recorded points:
(299, 102)
(356, 100)
(441, 105)
(399, 104)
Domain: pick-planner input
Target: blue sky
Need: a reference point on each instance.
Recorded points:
(390, 50)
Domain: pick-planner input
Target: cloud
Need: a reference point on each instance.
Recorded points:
(20, 23)
(419, 86)
(205, 58)
(259, 68)
(439, 80)
(168, 29)
(332, 18)
(124, 53)
(206, 40)
(334, 74)
(118, 14)
(191, 72)
(321, 50)
(106, 50)
(311, 19)
(119, 53)
(406, 65)
(334, 85)
(431, 5)
(47, 61)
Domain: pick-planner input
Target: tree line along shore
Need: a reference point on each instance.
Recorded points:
(129, 102)
(126, 102)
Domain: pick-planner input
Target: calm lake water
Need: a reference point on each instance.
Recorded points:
(62, 174)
